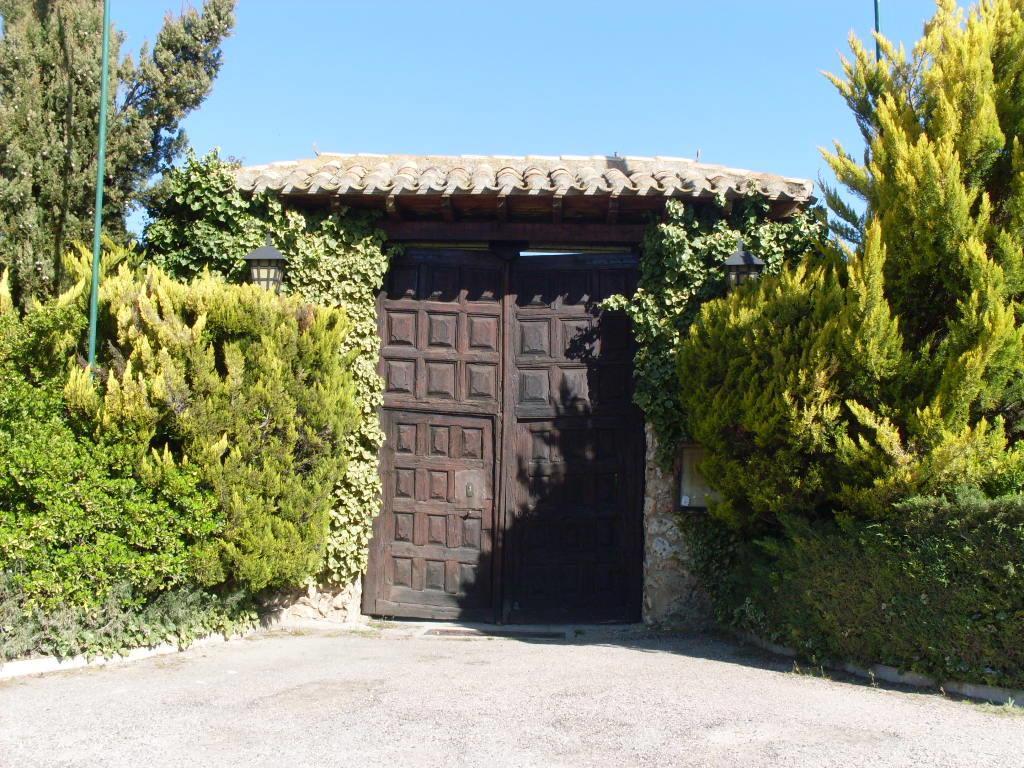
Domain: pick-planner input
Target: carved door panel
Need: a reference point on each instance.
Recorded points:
(436, 530)
(573, 512)
(439, 319)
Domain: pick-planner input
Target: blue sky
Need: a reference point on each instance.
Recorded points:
(739, 81)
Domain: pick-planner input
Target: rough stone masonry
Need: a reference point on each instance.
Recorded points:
(672, 595)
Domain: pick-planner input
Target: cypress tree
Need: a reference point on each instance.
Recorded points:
(49, 113)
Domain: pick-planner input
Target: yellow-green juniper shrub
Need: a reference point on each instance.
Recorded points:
(77, 520)
(195, 469)
(200, 221)
(862, 417)
(244, 384)
(681, 268)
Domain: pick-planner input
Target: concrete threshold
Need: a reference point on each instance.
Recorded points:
(463, 630)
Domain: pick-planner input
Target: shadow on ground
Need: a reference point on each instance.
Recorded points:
(718, 647)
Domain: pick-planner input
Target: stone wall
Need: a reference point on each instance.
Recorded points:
(672, 596)
(323, 604)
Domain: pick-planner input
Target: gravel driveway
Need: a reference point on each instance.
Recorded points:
(396, 698)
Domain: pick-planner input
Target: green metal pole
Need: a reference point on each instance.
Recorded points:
(101, 163)
(878, 31)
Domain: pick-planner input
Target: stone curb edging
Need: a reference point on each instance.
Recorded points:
(978, 691)
(45, 664)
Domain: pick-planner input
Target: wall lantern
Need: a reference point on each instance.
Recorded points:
(266, 267)
(742, 266)
(693, 492)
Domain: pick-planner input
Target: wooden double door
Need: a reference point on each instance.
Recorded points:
(513, 456)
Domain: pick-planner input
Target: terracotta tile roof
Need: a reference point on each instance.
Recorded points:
(386, 175)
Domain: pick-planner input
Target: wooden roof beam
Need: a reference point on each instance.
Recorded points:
(567, 233)
(391, 207)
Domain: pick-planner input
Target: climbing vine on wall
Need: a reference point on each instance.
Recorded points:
(343, 264)
(200, 221)
(680, 269)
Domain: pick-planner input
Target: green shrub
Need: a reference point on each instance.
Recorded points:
(938, 589)
(723, 563)
(681, 268)
(902, 368)
(75, 521)
(198, 467)
(199, 221)
(114, 625)
(248, 388)
(862, 416)
(795, 388)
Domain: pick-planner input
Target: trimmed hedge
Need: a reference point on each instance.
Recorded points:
(937, 589)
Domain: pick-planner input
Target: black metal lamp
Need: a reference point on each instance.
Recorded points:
(742, 266)
(266, 267)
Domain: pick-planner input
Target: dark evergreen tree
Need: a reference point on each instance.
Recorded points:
(49, 115)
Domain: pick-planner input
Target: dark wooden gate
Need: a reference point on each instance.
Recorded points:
(506, 388)
(575, 466)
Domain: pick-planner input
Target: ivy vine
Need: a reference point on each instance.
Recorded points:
(681, 267)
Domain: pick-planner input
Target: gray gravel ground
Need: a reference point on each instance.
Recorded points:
(397, 699)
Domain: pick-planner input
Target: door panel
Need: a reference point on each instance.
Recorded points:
(435, 533)
(439, 318)
(573, 513)
(432, 554)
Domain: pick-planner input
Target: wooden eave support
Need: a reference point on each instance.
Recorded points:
(391, 207)
(783, 209)
(613, 209)
(447, 212)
